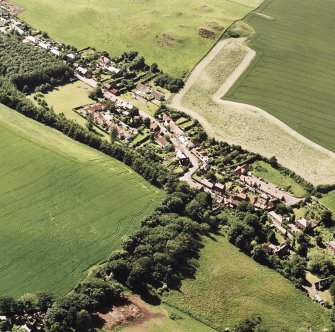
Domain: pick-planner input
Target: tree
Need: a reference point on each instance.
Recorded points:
(90, 122)
(273, 162)
(96, 93)
(321, 265)
(84, 321)
(154, 68)
(326, 218)
(8, 306)
(113, 134)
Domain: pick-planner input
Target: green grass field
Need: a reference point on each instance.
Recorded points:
(329, 201)
(65, 98)
(268, 173)
(292, 77)
(229, 286)
(63, 207)
(165, 32)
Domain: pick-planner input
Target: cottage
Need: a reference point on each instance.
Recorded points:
(31, 39)
(275, 218)
(183, 140)
(158, 95)
(55, 51)
(242, 170)
(143, 88)
(154, 127)
(331, 246)
(105, 61)
(71, 57)
(303, 224)
(113, 69)
(163, 142)
(219, 187)
(241, 197)
(206, 183)
(85, 72)
(182, 158)
(107, 86)
(44, 45)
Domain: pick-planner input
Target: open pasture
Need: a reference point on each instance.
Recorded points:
(229, 286)
(292, 77)
(63, 207)
(165, 32)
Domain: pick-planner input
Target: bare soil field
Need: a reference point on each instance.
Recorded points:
(131, 311)
(243, 124)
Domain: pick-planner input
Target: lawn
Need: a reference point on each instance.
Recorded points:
(270, 174)
(329, 201)
(229, 286)
(165, 32)
(293, 76)
(63, 207)
(65, 98)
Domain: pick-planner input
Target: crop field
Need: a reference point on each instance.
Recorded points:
(292, 77)
(232, 287)
(268, 173)
(329, 201)
(165, 32)
(63, 207)
(240, 124)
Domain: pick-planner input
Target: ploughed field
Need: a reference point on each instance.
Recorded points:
(231, 287)
(174, 33)
(292, 77)
(63, 206)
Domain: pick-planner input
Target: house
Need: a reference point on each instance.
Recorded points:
(92, 108)
(173, 127)
(206, 183)
(113, 69)
(143, 88)
(44, 45)
(55, 51)
(303, 224)
(85, 72)
(107, 86)
(182, 158)
(219, 187)
(331, 246)
(163, 142)
(31, 39)
(183, 140)
(154, 127)
(242, 170)
(115, 91)
(280, 251)
(105, 61)
(241, 197)
(275, 218)
(72, 57)
(158, 95)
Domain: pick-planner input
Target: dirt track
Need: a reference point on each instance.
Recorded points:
(250, 111)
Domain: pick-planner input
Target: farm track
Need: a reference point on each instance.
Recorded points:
(178, 102)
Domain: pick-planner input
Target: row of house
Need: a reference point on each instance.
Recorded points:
(106, 120)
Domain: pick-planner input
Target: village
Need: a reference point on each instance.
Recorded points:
(176, 139)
